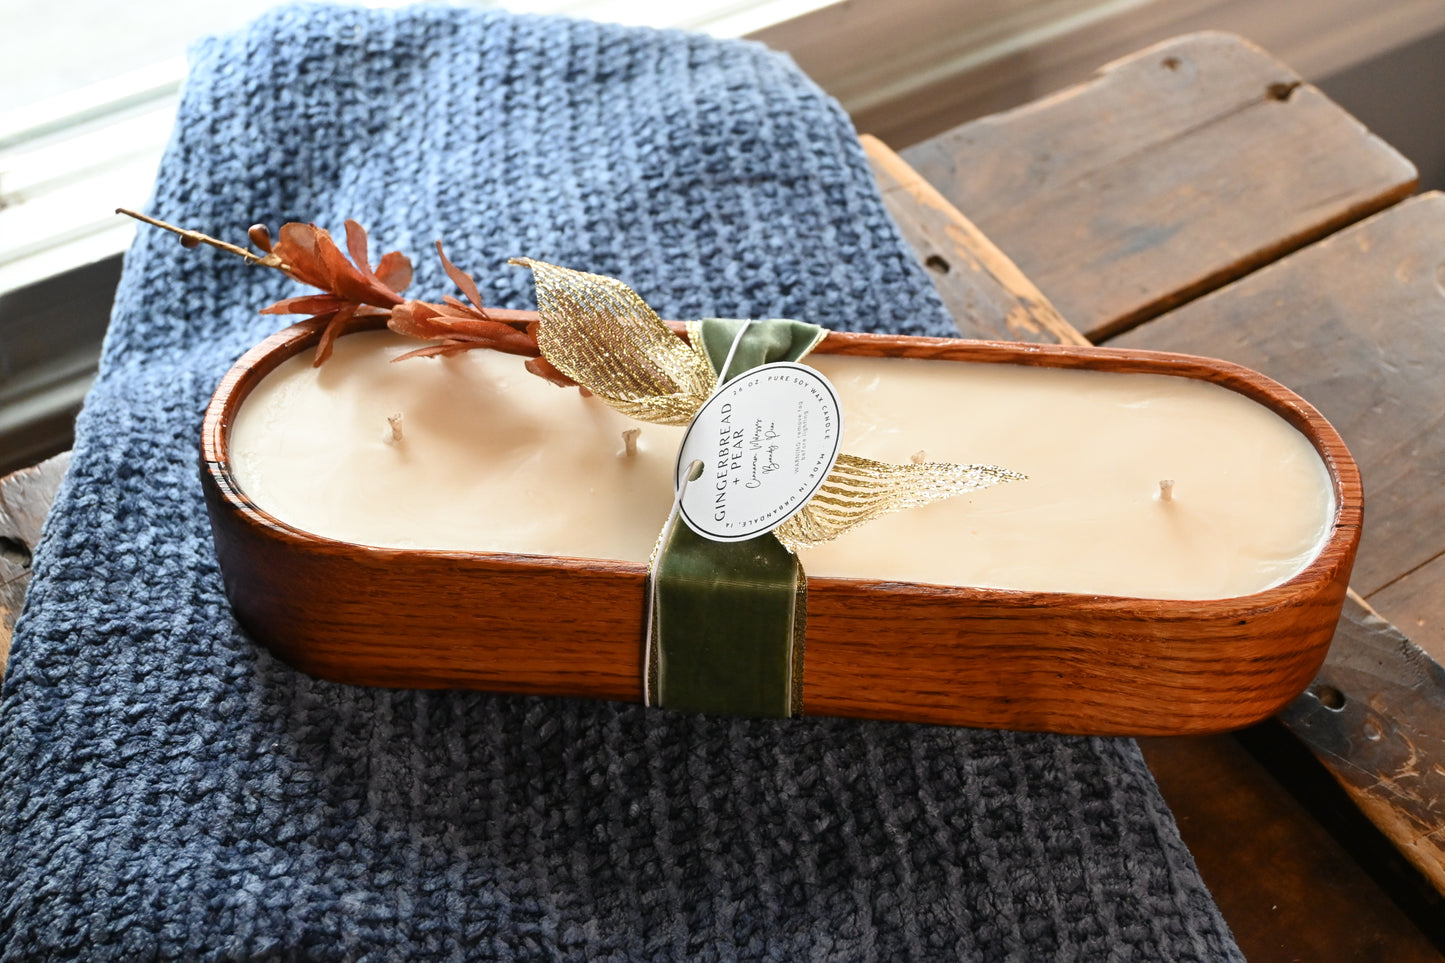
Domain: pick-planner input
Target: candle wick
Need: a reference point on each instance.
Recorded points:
(919, 457)
(629, 441)
(1166, 490)
(395, 422)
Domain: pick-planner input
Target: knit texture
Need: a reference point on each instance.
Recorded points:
(170, 791)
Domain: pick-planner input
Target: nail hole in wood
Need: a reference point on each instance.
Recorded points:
(18, 550)
(1282, 91)
(936, 264)
(1330, 697)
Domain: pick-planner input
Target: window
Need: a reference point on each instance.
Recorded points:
(88, 118)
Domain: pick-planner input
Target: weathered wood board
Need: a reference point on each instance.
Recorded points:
(1288, 889)
(25, 498)
(1416, 601)
(987, 294)
(1376, 717)
(1356, 325)
(1171, 173)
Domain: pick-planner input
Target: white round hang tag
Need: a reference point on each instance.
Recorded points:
(767, 439)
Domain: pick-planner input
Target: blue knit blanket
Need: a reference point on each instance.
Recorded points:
(168, 790)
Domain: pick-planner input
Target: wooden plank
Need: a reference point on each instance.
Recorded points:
(1356, 325)
(25, 498)
(1287, 888)
(1168, 175)
(1417, 599)
(988, 296)
(1376, 717)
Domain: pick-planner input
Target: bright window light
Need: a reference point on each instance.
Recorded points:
(87, 116)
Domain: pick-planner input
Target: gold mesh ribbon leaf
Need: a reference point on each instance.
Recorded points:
(858, 490)
(598, 332)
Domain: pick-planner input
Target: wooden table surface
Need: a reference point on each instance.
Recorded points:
(1201, 197)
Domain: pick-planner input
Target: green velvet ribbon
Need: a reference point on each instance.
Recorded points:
(728, 617)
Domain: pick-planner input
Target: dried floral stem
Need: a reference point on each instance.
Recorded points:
(353, 288)
(196, 237)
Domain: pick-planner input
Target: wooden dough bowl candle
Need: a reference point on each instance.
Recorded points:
(880, 648)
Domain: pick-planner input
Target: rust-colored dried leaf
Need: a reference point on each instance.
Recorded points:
(306, 304)
(351, 288)
(297, 248)
(444, 350)
(356, 246)
(394, 270)
(543, 368)
(420, 319)
(334, 327)
(461, 279)
(488, 330)
(416, 319)
(345, 279)
(312, 257)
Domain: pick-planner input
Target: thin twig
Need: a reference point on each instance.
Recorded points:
(196, 237)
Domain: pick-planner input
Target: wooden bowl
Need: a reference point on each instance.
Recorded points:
(883, 650)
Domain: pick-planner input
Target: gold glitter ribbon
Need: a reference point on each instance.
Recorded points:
(600, 333)
(859, 490)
